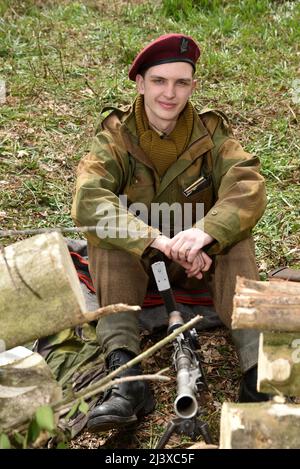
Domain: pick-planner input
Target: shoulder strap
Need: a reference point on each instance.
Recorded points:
(111, 113)
(210, 117)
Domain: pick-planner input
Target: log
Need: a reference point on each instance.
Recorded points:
(267, 425)
(40, 292)
(26, 384)
(279, 363)
(266, 305)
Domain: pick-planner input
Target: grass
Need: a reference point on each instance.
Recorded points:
(62, 61)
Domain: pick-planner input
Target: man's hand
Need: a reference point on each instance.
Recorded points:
(161, 243)
(185, 246)
(201, 263)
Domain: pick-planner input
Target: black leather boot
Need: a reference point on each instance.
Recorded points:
(248, 392)
(123, 403)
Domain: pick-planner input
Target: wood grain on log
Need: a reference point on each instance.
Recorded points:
(266, 305)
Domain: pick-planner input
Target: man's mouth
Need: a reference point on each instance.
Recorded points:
(167, 106)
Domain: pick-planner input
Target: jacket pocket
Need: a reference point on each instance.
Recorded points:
(141, 186)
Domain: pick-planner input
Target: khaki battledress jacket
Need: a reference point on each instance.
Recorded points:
(232, 190)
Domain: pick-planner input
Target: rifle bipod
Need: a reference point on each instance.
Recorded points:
(192, 427)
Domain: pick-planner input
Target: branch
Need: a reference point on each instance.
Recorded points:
(21, 427)
(60, 229)
(63, 406)
(62, 410)
(89, 316)
(107, 380)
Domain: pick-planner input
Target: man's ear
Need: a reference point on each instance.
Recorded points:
(140, 86)
(194, 85)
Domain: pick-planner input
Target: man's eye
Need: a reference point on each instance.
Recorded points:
(182, 83)
(158, 81)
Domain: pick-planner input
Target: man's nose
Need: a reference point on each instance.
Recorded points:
(170, 91)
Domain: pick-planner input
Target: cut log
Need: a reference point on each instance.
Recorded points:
(26, 384)
(266, 305)
(279, 363)
(267, 425)
(40, 292)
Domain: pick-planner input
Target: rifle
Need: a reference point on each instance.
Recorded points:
(186, 360)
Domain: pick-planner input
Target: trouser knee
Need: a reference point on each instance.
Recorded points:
(118, 277)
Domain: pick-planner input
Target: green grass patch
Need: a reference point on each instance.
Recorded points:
(62, 61)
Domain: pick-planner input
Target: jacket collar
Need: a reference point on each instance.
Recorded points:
(200, 143)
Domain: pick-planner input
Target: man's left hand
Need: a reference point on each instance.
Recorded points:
(201, 263)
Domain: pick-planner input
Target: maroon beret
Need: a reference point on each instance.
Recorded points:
(165, 49)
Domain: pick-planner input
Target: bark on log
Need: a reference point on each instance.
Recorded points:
(40, 292)
(266, 305)
(279, 363)
(267, 425)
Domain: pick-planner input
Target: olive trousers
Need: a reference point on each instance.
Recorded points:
(120, 277)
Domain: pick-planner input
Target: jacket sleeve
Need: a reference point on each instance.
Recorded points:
(100, 177)
(239, 192)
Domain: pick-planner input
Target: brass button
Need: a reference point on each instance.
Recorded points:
(214, 212)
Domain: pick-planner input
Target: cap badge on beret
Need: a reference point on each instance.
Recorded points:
(184, 46)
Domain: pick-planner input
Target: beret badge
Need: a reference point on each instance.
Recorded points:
(184, 45)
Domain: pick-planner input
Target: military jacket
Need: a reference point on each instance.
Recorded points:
(229, 185)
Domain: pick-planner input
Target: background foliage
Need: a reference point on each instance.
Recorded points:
(63, 60)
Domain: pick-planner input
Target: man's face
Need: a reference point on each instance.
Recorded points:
(166, 89)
